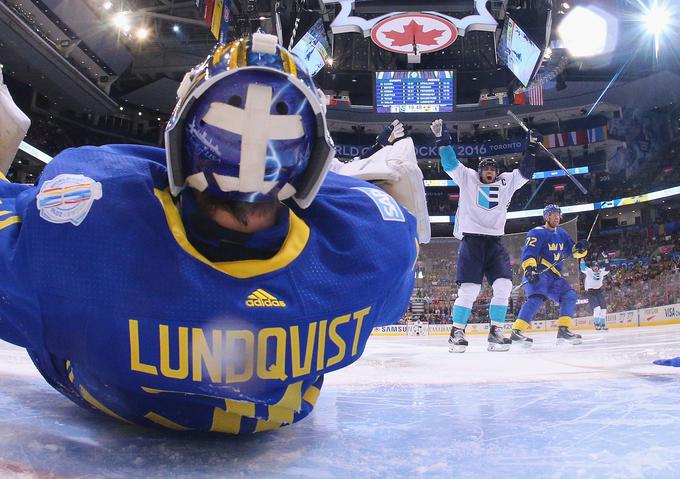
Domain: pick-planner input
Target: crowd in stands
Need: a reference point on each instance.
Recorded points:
(644, 272)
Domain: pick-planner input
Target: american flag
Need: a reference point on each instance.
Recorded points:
(535, 92)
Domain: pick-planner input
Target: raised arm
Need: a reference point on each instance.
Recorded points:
(527, 165)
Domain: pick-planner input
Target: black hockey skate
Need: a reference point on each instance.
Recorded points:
(518, 336)
(604, 328)
(564, 335)
(497, 342)
(457, 341)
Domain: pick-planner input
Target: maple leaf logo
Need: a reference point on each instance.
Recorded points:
(413, 34)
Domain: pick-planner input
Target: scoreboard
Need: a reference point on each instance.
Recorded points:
(425, 91)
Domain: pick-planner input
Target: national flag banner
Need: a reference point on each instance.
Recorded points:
(535, 92)
(597, 134)
(580, 137)
(216, 18)
(520, 98)
(208, 11)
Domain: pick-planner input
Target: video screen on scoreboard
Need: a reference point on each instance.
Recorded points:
(517, 51)
(313, 48)
(426, 91)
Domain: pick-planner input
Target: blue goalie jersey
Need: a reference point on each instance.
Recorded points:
(122, 314)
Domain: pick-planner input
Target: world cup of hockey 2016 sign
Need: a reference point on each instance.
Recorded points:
(407, 33)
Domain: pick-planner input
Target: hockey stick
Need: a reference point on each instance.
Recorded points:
(523, 283)
(593, 226)
(552, 157)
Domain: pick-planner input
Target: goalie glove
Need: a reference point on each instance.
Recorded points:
(395, 170)
(13, 127)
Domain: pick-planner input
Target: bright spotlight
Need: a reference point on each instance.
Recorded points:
(587, 32)
(329, 61)
(107, 5)
(656, 19)
(121, 20)
(142, 33)
(175, 28)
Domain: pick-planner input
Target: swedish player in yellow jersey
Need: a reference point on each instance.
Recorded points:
(209, 285)
(543, 254)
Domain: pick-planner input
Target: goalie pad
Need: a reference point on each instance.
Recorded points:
(395, 169)
(13, 127)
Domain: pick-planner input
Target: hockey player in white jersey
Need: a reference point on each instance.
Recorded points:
(480, 223)
(593, 286)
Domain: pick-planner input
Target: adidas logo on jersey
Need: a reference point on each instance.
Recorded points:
(261, 299)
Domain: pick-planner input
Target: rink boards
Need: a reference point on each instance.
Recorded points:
(657, 316)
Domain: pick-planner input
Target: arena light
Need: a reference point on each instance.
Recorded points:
(107, 5)
(121, 20)
(656, 19)
(142, 33)
(588, 31)
(175, 28)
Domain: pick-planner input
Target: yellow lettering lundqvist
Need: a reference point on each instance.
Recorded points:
(135, 363)
(223, 356)
(337, 340)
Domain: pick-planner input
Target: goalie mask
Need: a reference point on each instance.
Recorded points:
(250, 126)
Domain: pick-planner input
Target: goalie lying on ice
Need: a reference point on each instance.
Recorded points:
(211, 285)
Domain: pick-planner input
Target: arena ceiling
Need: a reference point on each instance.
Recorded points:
(99, 67)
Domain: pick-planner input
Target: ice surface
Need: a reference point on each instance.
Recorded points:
(407, 408)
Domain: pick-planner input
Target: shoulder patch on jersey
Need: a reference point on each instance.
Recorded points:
(67, 198)
(388, 206)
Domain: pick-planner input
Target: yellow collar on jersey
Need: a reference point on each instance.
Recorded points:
(293, 245)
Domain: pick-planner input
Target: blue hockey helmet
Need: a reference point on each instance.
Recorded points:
(249, 125)
(549, 209)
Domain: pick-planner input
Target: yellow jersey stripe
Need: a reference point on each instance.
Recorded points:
(3, 177)
(242, 408)
(293, 245)
(165, 422)
(84, 393)
(291, 401)
(311, 395)
(151, 391)
(9, 221)
(224, 421)
(529, 262)
(549, 266)
(266, 425)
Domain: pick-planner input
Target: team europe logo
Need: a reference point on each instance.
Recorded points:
(487, 196)
(67, 198)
